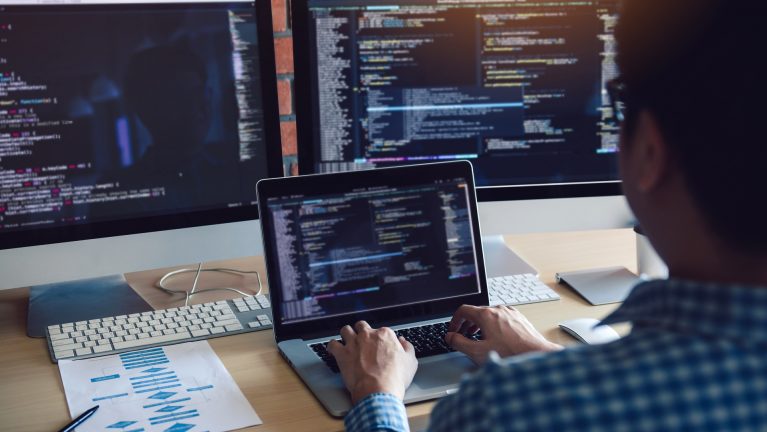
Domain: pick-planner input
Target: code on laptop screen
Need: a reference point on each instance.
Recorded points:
(372, 248)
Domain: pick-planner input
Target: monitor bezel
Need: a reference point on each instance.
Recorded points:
(306, 130)
(148, 224)
(319, 184)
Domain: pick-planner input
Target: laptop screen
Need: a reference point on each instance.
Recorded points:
(371, 247)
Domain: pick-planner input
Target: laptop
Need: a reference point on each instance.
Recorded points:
(397, 247)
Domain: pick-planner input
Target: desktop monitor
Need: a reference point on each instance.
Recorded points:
(516, 87)
(132, 134)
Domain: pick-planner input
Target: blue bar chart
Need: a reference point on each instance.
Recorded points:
(177, 388)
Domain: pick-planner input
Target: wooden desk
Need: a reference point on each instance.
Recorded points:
(32, 396)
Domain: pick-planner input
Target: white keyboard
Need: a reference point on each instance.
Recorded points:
(518, 290)
(110, 335)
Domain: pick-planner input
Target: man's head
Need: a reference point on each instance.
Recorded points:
(695, 92)
(167, 89)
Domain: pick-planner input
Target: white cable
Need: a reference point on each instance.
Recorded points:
(188, 294)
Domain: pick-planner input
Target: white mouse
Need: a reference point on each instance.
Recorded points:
(585, 330)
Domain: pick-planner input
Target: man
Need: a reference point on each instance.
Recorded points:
(693, 158)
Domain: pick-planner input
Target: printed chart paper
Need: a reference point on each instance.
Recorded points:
(174, 388)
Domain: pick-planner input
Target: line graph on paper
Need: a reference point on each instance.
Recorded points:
(176, 388)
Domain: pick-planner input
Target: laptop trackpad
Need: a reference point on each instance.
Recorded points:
(440, 372)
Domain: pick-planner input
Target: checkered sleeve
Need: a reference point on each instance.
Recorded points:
(378, 412)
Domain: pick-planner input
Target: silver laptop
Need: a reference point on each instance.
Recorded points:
(397, 247)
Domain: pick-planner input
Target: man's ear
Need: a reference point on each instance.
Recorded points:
(652, 159)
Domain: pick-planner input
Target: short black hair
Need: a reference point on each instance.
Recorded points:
(698, 67)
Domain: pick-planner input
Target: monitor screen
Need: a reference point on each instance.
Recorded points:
(517, 87)
(130, 116)
(372, 246)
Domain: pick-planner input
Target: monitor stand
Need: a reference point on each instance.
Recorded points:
(502, 261)
(80, 301)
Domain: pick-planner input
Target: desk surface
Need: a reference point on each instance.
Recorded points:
(32, 396)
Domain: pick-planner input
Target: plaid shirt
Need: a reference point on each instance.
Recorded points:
(696, 359)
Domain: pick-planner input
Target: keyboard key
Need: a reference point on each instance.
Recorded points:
(148, 341)
(64, 354)
(71, 346)
(61, 336)
(226, 323)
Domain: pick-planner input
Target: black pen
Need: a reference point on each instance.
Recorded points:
(79, 420)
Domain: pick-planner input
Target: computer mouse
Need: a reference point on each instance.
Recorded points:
(586, 331)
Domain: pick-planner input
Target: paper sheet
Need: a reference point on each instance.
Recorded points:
(174, 388)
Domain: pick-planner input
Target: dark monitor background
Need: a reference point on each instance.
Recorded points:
(517, 87)
(125, 117)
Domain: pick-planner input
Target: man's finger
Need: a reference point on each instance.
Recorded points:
(361, 326)
(347, 334)
(467, 346)
(406, 345)
(334, 347)
(465, 313)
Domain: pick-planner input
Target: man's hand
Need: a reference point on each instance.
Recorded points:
(373, 361)
(504, 330)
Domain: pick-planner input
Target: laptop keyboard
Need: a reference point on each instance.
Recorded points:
(428, 340)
